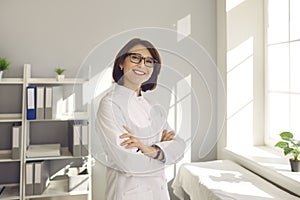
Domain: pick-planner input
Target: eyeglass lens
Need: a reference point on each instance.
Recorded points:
(137, 58)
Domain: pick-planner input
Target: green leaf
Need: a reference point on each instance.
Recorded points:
(287, 150)
(4, 64)
(286, 135)
(282, 144)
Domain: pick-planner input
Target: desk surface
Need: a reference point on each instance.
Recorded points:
(223, 179)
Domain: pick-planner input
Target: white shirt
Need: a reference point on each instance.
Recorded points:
(131, 173)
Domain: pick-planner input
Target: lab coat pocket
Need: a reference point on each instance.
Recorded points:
(140, 192)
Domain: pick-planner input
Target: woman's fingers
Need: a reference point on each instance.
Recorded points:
(127, 129)
(163, 136)
(170, 136)
(132, 141)
(126, 135)
(167, 136)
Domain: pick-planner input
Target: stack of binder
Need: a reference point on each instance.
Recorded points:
(45, 102)
(37, 177)
(78, 139)
(43, 150)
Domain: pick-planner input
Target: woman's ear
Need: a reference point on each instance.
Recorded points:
(121, 66)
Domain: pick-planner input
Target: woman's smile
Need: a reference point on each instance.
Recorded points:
(139, 72)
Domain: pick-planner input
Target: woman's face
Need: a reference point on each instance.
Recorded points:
(136, 73)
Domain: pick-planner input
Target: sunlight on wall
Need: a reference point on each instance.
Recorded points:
(179, 117)
(70, 103)
(240, 95)
(184, 27)
(230, 4)
(97, 85)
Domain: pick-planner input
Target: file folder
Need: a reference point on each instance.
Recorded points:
(31, 102)
(85, 140)
(41, 177)
(29, 179)
(48, 103)
(40, 111)
(16, 136)
(54, 102)
(74, 139)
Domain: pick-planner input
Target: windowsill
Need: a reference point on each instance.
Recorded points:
(268, 163)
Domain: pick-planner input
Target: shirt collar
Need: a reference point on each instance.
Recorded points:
(124, 90)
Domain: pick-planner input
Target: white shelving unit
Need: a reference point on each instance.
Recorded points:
(57, 189)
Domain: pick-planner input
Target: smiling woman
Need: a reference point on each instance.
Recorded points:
(135, 134)
(130, 57)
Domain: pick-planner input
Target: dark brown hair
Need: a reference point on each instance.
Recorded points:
(121, 56)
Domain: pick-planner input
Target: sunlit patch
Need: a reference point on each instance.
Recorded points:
(230, 4)
(184, 27)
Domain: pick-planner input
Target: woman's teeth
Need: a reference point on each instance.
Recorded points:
(139, 72)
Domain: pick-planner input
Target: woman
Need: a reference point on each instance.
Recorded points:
(135, 134)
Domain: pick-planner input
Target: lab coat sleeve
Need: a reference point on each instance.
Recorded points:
(109, 127)
(173, 150)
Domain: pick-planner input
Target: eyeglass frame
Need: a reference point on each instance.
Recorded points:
(141, 58)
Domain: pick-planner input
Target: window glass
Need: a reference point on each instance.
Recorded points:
(278, 21)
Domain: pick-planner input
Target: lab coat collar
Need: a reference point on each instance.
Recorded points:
(125, 91)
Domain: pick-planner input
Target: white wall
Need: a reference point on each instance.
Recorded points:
(242, 22)
(55, 33)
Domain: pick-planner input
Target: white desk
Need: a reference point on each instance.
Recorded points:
(223, 179)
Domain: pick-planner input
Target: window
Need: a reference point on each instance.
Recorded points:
(283, 69)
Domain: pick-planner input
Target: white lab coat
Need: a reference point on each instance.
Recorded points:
(130, 174)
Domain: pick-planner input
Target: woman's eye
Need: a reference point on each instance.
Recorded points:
(135, 57)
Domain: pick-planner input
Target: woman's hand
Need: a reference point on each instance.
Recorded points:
(133, 141)
(167, 136)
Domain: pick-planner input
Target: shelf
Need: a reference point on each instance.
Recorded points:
(66, 117)
(65, 154)
(46, 81)
(58, 187)
(5, 156)
(11, 191)
(11, 117)
(15, 91)
(8, 81)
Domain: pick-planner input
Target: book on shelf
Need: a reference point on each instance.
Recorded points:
(16, 140)
(43, 150)
(54, 102)
(78, 138)
(29, 177)
(84, 140)
(40, 111)
(31, 102)
(41, 177)
(74, 139)
(37, 177)
(49, 102)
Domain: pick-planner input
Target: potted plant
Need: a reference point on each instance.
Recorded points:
(4, 65)
(59, 74)
(290, 146)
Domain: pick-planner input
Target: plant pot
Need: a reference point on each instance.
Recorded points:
(1, 74)
(295, 165)
(60, 77)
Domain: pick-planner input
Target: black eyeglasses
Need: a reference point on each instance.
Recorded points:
(137, 59)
